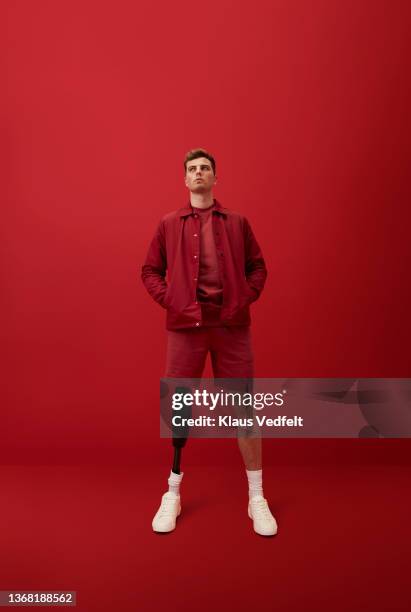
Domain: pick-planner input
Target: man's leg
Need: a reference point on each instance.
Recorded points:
(186, 355)
(251, 451)
(232, 357)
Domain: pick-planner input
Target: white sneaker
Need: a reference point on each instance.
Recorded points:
(263, 521)
(165, 518)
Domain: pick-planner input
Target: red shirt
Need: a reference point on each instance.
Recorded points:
(209, 288)
(175, 250)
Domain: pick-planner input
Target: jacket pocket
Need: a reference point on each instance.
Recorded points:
(250, 295)
(166, 299)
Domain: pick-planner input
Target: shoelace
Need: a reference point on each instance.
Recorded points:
(167, 506)
(261, 509)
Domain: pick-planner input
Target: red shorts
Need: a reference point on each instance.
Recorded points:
(230, 351)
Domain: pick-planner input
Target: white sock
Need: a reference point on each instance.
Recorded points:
(174, 482)
(255, 483)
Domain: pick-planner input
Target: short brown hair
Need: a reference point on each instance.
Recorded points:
(195, 153)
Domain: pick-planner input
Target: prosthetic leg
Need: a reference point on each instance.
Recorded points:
(170, 508)
(180, 441)
(178, 444)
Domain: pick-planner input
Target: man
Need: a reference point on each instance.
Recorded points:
(215, 271)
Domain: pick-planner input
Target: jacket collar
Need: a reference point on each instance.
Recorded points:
(188, 210)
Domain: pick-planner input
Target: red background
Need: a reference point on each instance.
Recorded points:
(306, 109)
(305, 106)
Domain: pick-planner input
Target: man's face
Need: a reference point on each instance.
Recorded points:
(199, 176)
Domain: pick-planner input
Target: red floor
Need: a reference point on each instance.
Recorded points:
(343, 543)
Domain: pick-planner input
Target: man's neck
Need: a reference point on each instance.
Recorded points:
(202, 200)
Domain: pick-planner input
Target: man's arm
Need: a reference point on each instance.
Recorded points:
(255, 269)
(153, 272)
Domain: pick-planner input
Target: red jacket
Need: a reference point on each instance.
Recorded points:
(175, 248)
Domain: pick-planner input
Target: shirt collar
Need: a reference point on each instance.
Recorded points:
(188, 210)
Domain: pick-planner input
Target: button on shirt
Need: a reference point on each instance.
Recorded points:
(209, 286)
(231, 276)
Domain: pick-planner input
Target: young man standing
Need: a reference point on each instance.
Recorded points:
(215, 271)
